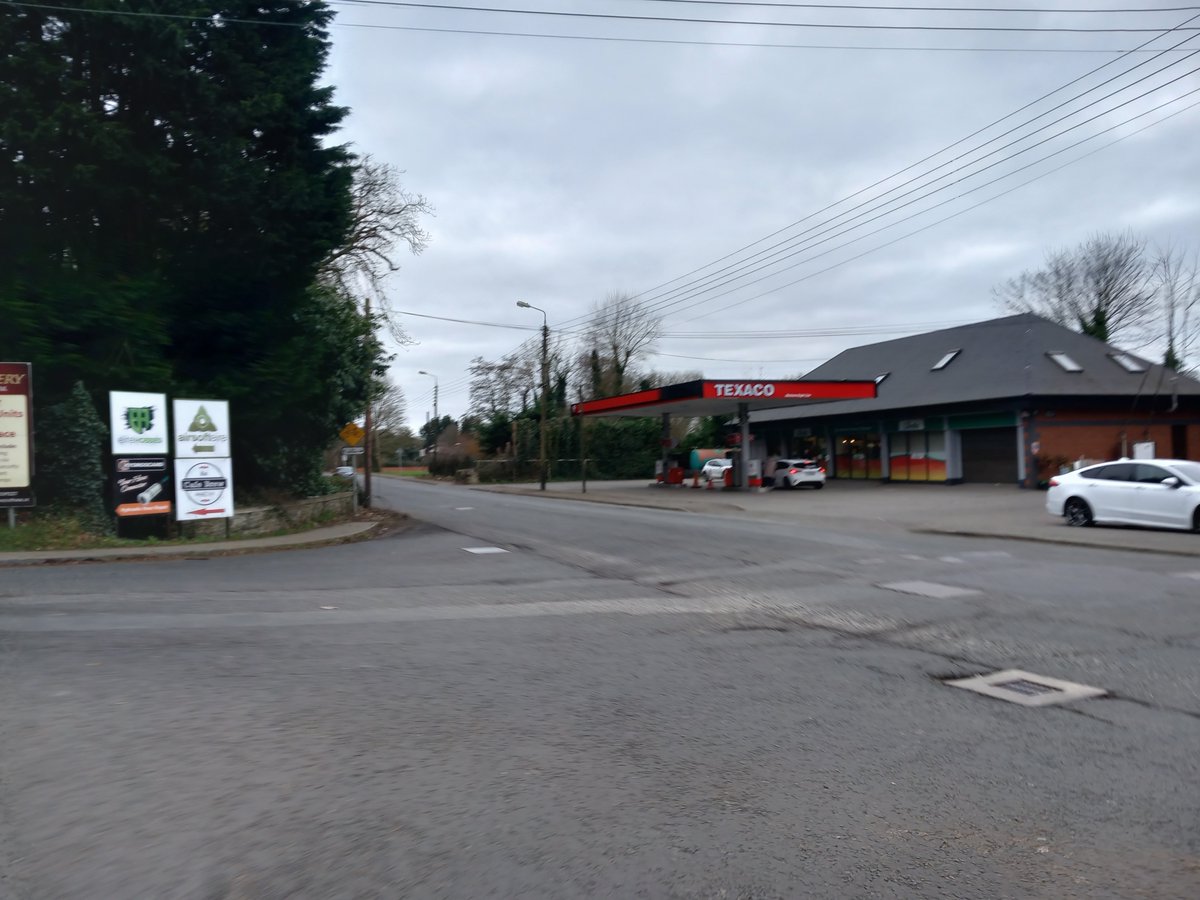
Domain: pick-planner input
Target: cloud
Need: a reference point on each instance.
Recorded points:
(562, 170)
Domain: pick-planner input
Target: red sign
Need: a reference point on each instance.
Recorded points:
(153, 508)
(788, 390)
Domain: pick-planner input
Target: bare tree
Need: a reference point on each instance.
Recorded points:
(389, 406)
(1102, 288)
(619, 334)
(492, 388)
(1176, 282)
(383, 216)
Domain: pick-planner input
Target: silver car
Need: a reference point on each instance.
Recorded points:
(1161, 493)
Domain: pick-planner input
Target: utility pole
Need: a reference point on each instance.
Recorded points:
(368, 443)
(434, 432)
(545, 382)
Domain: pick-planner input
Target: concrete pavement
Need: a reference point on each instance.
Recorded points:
(329, 534)
(980, 510)
(983, 510)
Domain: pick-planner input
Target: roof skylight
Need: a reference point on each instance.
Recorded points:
(1065, 362)
(945, 360)
(1127, 362)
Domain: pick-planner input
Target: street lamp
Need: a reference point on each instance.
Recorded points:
(545, 380)
(436, 424)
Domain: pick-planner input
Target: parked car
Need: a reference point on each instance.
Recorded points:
(792, 473)
(714, 469)
(1163, 493)
(344, 471)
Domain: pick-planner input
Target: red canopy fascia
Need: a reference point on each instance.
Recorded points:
(721, 397)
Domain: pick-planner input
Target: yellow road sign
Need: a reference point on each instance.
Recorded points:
(351, 434)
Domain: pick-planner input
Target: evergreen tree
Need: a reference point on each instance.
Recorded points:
(168, 190)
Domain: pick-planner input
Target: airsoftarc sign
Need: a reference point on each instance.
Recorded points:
(203, 468)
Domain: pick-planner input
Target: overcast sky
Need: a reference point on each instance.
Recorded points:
(563, 170)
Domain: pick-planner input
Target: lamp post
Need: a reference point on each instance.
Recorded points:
(545, 381)
(436, 423)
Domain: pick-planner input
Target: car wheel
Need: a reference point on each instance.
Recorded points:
(1196, 520)
(1077, 513)
(818, 485)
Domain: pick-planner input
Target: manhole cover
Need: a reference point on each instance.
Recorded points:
(1027, 689)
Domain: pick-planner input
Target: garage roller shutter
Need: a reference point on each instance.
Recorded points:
(990, 455)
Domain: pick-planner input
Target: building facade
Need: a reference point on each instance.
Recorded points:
(1012, 400)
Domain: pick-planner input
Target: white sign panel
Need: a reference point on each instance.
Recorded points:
(138, 422)
(203, 489)
(201, 428)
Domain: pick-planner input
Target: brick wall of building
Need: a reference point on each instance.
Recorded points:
(1062, 438)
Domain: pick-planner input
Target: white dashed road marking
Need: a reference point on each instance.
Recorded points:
(463, 508)
(928, 589)
(1195, 575)
(482, 550)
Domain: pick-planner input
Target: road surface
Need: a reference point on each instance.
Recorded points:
(518, 697)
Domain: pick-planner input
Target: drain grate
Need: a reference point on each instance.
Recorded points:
(1027, 689)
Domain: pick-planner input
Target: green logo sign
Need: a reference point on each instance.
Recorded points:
(140, 419)
(202, 422)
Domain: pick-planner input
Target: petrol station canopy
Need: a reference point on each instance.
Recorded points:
(718, 398)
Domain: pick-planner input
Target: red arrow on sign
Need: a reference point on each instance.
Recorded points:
(205, 512)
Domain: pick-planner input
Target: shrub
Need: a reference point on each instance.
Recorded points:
(446, 464)
(70, 453)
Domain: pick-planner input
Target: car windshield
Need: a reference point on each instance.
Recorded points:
(1189, 470)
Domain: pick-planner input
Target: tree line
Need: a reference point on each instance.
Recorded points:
(178, 216)
(1116, 287)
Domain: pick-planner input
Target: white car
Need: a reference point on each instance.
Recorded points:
(344, 471)
(1161, 493)
(714, 469)
(793, 473)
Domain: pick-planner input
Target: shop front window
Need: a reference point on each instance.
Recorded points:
(858, 455)
(917, 456)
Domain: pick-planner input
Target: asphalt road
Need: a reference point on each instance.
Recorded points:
(624, 703)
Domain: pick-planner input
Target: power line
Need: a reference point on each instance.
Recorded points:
(1039, 10)
(595, 38)
(981, 202)
(795, 245)
(661, 301)
(692, 20)
(405, 312)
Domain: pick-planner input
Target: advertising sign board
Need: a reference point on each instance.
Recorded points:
(16, 439)
(201, 428)
(138, 422)
(142, 485)
(203, 489)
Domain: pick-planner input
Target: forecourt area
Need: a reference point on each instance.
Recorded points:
(723, 398)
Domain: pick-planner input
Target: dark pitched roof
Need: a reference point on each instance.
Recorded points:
(999, 359)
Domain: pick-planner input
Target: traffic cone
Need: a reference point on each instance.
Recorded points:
(710, 486)
(695, 479)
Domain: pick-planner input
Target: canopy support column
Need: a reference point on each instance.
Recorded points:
(744, 468)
